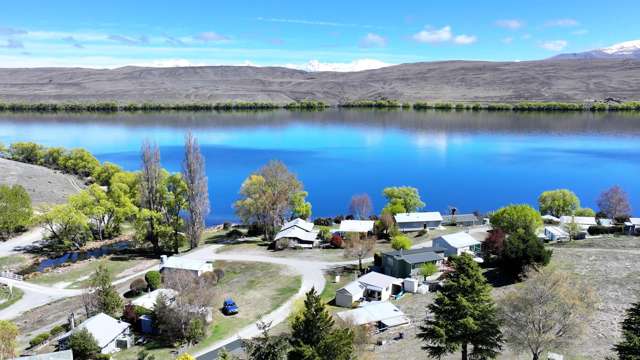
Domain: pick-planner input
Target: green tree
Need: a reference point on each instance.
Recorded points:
(8, 339)
(428, 269)
(558, 202)
(513, 217)
(548, 311)
(401, 242)
(102, 296)
(195, 331)
(173, 203)
(223, 354)
(402, 199)
(15, 210)
(463, 315)
(104, 173)
(26, 152)
(589, 212)
(314, 335)
(629, 347)
(67, 227)
(300, 208)
(523, 250)
(268, 197)
(83, 345)
(105, 213)
(52, 157)
(79, 162)
(266, 346)
(195, 176)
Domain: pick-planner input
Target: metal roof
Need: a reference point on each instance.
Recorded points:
(418, 217)
(148, 301)
(358, 226)
(353, 288)
(177, 262)
(295, 232)
(581, 220)
(459, 240)
(382, 311)
(103, 327)
(423, 257)
(377, 280)
(300, 223)
(58, 355)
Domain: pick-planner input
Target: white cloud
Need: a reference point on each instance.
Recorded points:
(210, 36)
(507, 40)
(526, 36)
(512, 24)
(356, 65)
(554, 45)
(13, 44)
(562, 23)
(373, 40)
(127, 40)
(465, 39)
(434, 36)
(580, 32)
(313, 22)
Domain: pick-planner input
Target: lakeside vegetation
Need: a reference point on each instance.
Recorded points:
(315, 105)
(112, 106)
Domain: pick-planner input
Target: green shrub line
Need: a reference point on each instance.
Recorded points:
(315, 105)
(112, 107)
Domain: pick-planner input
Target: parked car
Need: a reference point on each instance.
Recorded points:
(229, 307)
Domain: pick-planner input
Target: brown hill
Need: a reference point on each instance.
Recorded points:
(548, 80)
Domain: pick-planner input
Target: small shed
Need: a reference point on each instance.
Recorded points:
(179, 264)
(350, 293)
(555, 233)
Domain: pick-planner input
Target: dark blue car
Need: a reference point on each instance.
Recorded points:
(229, 307)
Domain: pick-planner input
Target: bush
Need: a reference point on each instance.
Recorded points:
(138, 286)
(39, 339)
(323, 221)
(83, 345)
(235, 234)
(210, 278)
(401, 242)
(282, 244)
(604, 230)
(219, 273)
(57, 330)
(103, 356)
(26, 152)
(336, 241)
(153, 279)
(325, 235)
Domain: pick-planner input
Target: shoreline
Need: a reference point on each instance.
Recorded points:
(315, 105)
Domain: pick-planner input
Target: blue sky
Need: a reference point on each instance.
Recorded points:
(328, 35)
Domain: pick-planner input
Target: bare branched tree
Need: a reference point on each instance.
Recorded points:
(195, 176)
(614, 202)
(150, 182)
(360, 246)
(360, 206)
(547, 311)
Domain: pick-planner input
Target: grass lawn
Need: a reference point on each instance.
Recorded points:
(7, 299)
(257, 288)
(12, 261)
(77, 275)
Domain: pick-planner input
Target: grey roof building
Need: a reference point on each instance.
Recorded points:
(58, 355)
(403, 263)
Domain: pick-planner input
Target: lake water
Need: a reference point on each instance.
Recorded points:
(471, 160)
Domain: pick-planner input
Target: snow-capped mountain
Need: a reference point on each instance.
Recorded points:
(624, 50)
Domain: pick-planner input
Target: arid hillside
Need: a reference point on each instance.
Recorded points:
(548, 80)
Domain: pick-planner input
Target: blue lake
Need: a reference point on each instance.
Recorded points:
(471, 160)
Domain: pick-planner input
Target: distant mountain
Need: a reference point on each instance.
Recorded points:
(624, 50)
(481, 81)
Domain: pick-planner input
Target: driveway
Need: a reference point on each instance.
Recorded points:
(34, 296)
(21, 242)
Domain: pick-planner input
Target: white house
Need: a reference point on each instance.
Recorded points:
(148, 301)
(584, 222)
(110, 334)
(384, 315)
(300, 232)
(417, 221)
(176, 264)
(555, 233)
(456, 244)
(356, 226)
(372, 286)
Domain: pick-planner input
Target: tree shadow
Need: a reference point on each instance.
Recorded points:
(498, 279)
